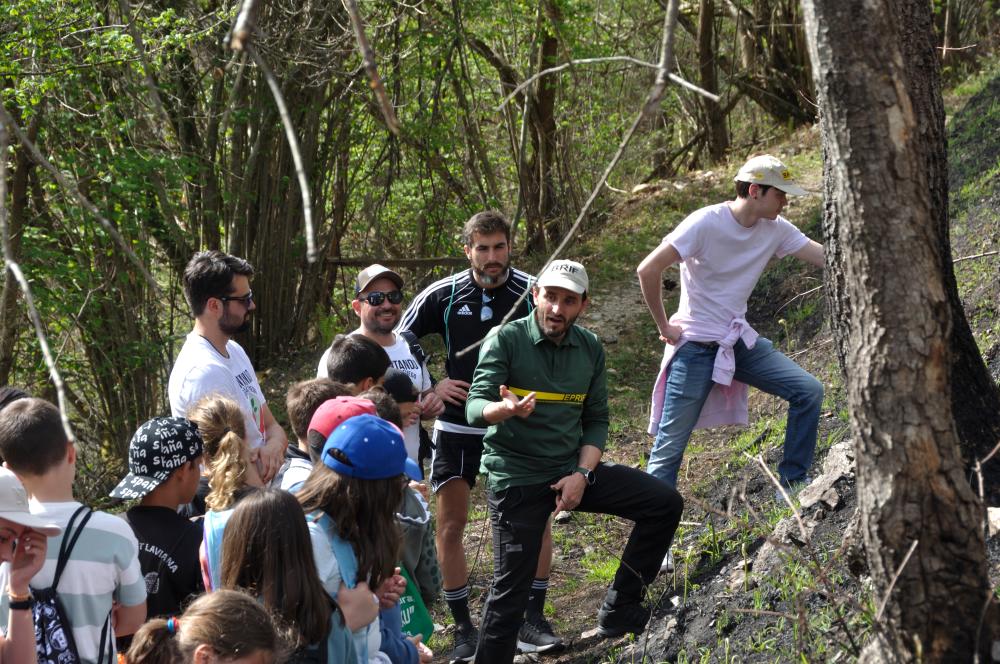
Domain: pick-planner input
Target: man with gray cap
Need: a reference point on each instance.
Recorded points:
(541, 387)
(712, 354)
(378, 303)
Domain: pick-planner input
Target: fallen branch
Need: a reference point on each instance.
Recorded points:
(969, 258)
(68, 185)
(784, 494)
(15, 270)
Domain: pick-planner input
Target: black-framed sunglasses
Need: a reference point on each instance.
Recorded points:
(247, 299)
(376, 298)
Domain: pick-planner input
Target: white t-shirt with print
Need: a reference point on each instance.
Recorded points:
(722, 261)
(201, 370)
(402, 359)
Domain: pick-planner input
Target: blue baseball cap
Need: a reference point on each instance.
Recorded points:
(373, 447)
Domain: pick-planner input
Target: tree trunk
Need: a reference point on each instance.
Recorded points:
(975, 401)
(718, 135)
(888, 284)
(12, 319)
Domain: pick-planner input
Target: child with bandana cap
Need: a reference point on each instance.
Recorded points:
(164, 458)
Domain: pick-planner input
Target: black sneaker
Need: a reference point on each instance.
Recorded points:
(536, 635)
(630, 618)
(466, 638)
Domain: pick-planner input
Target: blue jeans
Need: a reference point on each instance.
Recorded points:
(763, 367)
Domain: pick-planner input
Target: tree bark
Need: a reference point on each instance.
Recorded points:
(718, 134)
(975, 401)
(12, 318)
(888, 284)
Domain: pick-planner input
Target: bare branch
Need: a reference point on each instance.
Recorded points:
(802, 294)
(147, 75)
(293, 145)
(68, 185)
(612, 58)
(15, 270)
(895, 577)
(652, 102)
(368, 56)
(362, 261)
(982, 255)
(243, 26)
(784, 494)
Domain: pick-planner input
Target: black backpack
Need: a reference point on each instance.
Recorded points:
(54, 641)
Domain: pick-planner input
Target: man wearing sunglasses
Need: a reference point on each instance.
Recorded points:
(378, 304)
(463, 308)
(217, 288)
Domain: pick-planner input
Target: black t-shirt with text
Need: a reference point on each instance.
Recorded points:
(168, 557)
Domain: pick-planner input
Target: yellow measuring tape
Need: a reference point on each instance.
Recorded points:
(551, 397)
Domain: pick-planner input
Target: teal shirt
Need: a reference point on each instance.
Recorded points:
(571, 409)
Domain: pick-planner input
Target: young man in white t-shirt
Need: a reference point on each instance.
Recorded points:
(712, 354)
(378, 304)
(217, 288)
(101, 588)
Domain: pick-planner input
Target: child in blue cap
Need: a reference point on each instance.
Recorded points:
(350, 500)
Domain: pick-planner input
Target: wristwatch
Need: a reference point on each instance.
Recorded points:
(587, 473)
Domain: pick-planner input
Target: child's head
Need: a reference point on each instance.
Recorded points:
(221, 626)
(221, 424)
(385, 406)
(267, 552)
(163, 457)
(17, 524)
(356, 361)
(305, 397)
(360, 485)
(331, 413)
(32, 438)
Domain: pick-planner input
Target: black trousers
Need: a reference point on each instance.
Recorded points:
(518, 516)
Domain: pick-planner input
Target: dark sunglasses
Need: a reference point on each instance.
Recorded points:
(376, 298)
(247, 299)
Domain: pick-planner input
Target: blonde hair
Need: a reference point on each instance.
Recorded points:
(220, 421)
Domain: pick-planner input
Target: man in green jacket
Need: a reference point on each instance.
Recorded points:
(541, 388)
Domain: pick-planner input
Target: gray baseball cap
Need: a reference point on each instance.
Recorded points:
(376, 271)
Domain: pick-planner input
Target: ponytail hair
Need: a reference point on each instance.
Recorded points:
(221, 424)
(231, 623)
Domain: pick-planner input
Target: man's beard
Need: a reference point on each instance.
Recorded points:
(488, 279)
(549, 332)
(377, 326)
(231, 330)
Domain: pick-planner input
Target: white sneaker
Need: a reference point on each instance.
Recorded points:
(668, 562)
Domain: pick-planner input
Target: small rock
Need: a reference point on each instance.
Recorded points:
(993, 515)
(838, 465)
(787, 531)
(738, 581)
